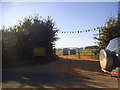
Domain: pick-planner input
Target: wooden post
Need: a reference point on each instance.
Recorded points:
(79, 54)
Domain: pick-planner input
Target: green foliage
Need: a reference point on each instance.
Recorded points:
(92, 47)
(110, 30)
(32, 32)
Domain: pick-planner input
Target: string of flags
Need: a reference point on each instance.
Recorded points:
(64, 32)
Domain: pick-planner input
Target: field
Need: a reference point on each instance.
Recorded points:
(84, 54)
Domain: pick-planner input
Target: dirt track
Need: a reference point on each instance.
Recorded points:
(62, 73)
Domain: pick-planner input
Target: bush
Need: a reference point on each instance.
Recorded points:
(20, 40)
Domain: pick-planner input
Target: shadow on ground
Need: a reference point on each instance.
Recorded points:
(78, 75)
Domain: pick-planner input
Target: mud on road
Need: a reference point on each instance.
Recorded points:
(64, 73)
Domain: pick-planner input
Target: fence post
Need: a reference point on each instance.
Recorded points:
(79, 54)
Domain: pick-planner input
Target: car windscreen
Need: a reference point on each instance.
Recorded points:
(114, 45)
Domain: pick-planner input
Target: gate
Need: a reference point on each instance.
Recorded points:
(79, 54)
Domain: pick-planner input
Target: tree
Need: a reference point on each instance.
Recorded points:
(92, 47)
(32, 32)
(39, 33)
(110, 30)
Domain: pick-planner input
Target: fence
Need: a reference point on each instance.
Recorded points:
(80, 54)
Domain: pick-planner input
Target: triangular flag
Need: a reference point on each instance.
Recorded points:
(97, 27)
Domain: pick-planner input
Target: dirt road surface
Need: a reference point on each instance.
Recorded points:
(64, 73)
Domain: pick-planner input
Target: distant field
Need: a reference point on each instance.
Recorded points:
(82, 52)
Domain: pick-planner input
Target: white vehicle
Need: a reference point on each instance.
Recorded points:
(110, 59)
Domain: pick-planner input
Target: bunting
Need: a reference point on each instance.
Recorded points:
(81, 31)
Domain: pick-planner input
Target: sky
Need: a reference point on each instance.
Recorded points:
(68, 16)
